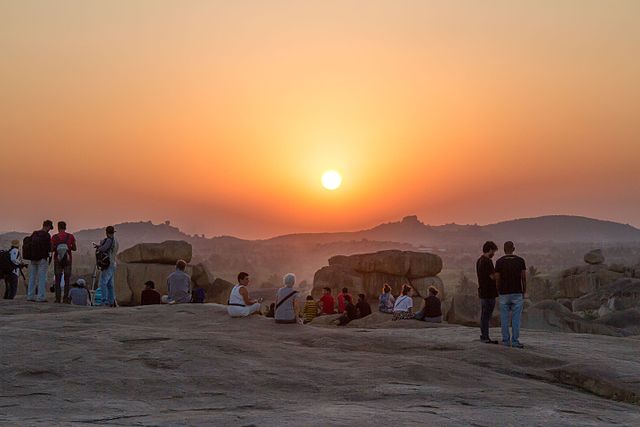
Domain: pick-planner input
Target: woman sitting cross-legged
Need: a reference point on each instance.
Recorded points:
(432, 311)
(403, 308)
(386, 300)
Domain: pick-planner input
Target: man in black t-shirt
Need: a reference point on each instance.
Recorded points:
(487, 290)
(511, 278)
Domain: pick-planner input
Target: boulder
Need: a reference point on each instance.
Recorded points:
(552, 316)
(465, 310)
(220, 291)
(626, 292)
(130, 280)
(367, 273)
(408, 264)
(594, 257)
(337, 277)
(575, 283)
(168, 252)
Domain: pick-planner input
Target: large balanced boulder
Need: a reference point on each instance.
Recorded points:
(168, 252)
(594, 257)
(367, 273)
(578, 281)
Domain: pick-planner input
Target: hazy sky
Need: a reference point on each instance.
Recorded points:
(222, 115)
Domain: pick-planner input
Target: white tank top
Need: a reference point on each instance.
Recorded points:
(235, 297)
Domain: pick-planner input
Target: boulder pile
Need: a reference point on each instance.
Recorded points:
(367, 273)
(156, 261)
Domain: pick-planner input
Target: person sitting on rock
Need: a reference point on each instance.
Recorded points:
(327, 303)
(240, 305)
(198, 294)
(363, 308)
(341, 297)
(432, 310)
(403, 308)
(350, 312)
(78, 294)
(150, 296)
(310, 310)
(386, 300)
(286, 306)
(179, 285)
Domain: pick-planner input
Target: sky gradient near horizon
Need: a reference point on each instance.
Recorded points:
(222, 115)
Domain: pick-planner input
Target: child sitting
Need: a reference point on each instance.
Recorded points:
(310, 310)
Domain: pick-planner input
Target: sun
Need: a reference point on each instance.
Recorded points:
(331, 180)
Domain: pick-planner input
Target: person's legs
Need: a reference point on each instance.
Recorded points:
(67, 283)
(6, 286)
(433, 319)
(57, 271)
(111, 296)
(505, 308)
(419, 316)
(11, 280)
(518, 305)
(255, 308)
(105, 276)
(31, 290)
(41, 277)
(488, 305)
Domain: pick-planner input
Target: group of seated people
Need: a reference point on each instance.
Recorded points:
(286, 308)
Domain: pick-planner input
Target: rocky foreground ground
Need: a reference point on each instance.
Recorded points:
(192, 365)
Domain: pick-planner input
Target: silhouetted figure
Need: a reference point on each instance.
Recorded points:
(487, 290)
(511, 279)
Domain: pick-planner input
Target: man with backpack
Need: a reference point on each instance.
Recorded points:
(10, 264)
(62, 244)
(106, 253)
(36, 248)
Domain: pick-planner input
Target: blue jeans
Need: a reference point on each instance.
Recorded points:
(488, 305)
(37, 279)
(107, 277)
(511, 303)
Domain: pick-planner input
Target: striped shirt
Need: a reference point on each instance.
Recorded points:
(310, 310)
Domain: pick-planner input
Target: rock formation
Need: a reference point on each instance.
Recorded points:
(168, 252)
(156, 261)
(594, 257)
(367, 273)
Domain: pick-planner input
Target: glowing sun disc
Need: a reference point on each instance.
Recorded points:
(331, 180)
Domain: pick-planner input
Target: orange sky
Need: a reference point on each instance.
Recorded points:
(221, 116)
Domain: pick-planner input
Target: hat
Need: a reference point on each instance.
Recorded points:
(15, 243)
(81, 283)
(110, 229)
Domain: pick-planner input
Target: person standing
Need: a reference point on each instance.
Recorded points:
(179, 284)
(12, 271)
(108, 246)
(37, 249)
(487, 290)
(511, 280)
(62, 244)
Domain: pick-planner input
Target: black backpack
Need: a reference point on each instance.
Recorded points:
(6, 265)
(102, 260)
(27, 248)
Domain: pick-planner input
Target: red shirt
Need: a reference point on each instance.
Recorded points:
(341, 303)
(63, 237)
(328, 304)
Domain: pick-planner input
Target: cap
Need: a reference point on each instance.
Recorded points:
(81, 283)
(15, 243)
(110, 229)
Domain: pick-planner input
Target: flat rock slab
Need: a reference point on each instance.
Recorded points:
(192, 365)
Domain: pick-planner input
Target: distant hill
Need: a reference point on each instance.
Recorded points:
(410, 230)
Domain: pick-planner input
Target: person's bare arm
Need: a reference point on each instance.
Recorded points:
(523, 275)
(245, 296)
